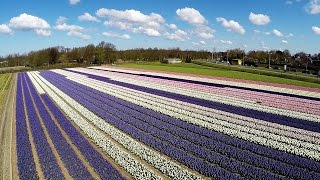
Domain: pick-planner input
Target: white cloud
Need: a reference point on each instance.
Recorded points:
(277, 33)
(203, 42)
(266, 33)
(43, 32)
(313, 7)
(289, 35)
(231, 25)
(88, 17)
(4, 29)
(259, 19)
(191, 16)
(133, 21)
(204, 32)
(316, 30)
(257, 31)
(178, 35)
(172, 26)
(61, 20)
(226, 42)
(79, 35)
(28, 22)
(67, 27)
(195, 43)
(116, 35)
(285, 41)
(74, 2)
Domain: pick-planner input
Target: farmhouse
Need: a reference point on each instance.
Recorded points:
(171, 60)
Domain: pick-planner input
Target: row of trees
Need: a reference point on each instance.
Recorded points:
(107, 53)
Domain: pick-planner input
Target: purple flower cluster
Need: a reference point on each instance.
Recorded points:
(208, 152)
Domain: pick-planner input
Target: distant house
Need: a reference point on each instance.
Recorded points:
(171, 60)
(236, 62)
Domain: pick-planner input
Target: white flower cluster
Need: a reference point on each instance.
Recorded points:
(132, 165)
(225, 124)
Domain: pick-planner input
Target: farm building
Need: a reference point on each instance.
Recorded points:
(171, 60)
(236, 62)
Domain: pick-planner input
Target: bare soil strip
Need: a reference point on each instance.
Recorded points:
(33, 147)
(75, 149)
(14, 156)
(7, 117)
(63, 168)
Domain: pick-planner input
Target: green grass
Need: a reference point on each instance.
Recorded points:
(5, 80)
(217, 72)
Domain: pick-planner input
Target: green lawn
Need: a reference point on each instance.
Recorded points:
(204, 70)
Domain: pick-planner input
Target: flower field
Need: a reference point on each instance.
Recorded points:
(115, 123)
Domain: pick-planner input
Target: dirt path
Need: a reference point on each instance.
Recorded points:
(6, 138)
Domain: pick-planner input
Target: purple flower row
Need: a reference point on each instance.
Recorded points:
(96, 160)
(48, 162)
(284, 120)
(68, 156)
(156, 120)
(26, 165)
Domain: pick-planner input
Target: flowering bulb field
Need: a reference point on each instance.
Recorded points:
(115, 123)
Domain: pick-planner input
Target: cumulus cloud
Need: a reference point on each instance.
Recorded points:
(43, 32)
(74, 2)
(197, 20)
(133, 21)
(259, 19)
(316, 30)
(88, 17)
(178, 35)
(284, 41)
(191, 16)
(67, 27)
(79, 35)
(231, 25)
(289, 35)
(61, 20)
(4, 29)
(226, 42)
(28, 22)
(73, 30)
(277, 33)
(116, 35)
(313, 7)
(172, 26)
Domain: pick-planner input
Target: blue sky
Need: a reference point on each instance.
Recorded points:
(27, 25)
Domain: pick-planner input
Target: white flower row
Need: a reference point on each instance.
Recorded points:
(158, 160)
(217, 98)
(132, 165)
(36, 85)
(196, 109)
(223, 82)
(220, 125)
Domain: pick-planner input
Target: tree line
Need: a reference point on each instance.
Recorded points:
(106, 53)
